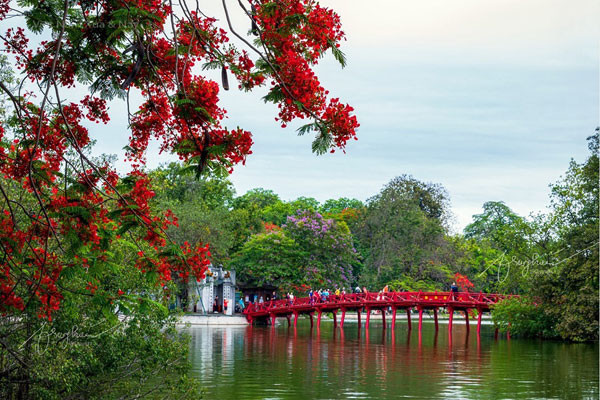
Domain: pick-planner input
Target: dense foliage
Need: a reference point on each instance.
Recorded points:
(81, 243)
(522, 317)
(560, 272)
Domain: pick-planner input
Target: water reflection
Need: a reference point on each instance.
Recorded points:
(287, 362)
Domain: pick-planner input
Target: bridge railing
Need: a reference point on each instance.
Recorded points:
(375, 298)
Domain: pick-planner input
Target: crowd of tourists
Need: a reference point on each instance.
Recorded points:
(325, 295)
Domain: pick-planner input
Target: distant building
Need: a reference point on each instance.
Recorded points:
(209, 295)
(251, 293)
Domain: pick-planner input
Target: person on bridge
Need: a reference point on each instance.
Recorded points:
(454, 290)
(357, 290)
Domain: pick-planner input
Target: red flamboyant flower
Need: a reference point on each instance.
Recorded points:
(463, 282)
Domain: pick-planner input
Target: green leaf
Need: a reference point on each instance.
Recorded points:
(108, 313)
(211, 65)
(78, 211)
(338, 54)
(274, 96)
(182, 101)
(304, 129)
(322, 143)
(126, 226)
(187, 170)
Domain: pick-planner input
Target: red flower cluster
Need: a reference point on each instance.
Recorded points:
(350, 214)
(46, 274)
(463, 282)
(4, 8)
(270, 227)
(297, 33)
(16, 44)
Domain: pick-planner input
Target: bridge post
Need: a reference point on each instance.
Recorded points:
(435, 319)
(368, 317)
(479, 313)
(358, 314)
(343, 317)
(450, 316)
(383, 318)
(420, 318)
(295, 318)
(393, 318)
(335, 319)
(467, 319)
(288, 317)
(311, 319)
(273, 317)
(408, 319)
(319, 319)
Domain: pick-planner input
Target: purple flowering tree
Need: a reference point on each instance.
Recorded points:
(309, 251)
(330, 253)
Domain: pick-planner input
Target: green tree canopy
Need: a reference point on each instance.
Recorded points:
(401, 232)
(336, 206)
(568, 288)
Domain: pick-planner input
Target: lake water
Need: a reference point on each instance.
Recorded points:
(286, 363)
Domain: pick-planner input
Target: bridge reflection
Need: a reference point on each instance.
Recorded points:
(295, 362)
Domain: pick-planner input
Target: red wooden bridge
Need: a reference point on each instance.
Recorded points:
(404, 301)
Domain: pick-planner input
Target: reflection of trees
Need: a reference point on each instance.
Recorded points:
(287, 362)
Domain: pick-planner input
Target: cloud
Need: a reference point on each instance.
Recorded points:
(530, 32)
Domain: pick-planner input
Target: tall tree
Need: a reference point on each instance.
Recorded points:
(569, 287)
(401, 230)
(508, 236)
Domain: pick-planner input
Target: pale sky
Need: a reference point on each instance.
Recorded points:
(490, 99)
